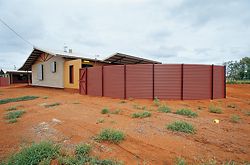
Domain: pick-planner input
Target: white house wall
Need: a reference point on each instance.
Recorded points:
(50, 79)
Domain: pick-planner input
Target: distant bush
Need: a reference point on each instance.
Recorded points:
(164, 108)
(105, 111)
(186, 112)
(141, 114)
(214, 109)
(181, 126)
(111, 135)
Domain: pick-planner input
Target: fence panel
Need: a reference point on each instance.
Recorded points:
(197, 81)
(94, 81)
(167, 81)
(4, 81)
(113, 79)
(139, 81)
(219, 78)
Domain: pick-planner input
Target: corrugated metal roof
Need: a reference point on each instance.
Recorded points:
(38, 51)
(120, 58)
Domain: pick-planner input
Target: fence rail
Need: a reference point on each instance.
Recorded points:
(164, 81)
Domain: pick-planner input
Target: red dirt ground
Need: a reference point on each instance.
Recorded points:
(147, 140)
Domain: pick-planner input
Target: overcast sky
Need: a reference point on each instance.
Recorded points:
(171, 31)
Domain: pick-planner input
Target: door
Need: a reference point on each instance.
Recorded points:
(83, 81)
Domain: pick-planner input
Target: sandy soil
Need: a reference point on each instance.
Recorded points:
(147, 140)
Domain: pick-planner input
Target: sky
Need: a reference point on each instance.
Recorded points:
(170, 31)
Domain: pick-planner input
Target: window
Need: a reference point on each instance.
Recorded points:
(53, 67)
(71, 74)
(40, 72)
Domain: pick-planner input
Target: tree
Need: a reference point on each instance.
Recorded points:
(238, 70)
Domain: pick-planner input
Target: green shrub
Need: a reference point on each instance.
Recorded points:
(34, 154)
(180, 161)
(111, 135)
(14, 114)
(248, 113)
(141, 114)
(235, 119)
(156, 102)
(23, 98)
(186, 112)
(181, 126)
(51, 105)
(164, 108)
(82, 150)
(105, 111)
(214, 109)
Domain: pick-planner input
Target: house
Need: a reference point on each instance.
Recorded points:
(2, 74)
(61, 69)
(16, 76)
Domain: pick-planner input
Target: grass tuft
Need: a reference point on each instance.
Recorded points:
(141, 114)
(181, 126)
(110, 135)
(82, 150)
(105, 111)
(248, 113)
(100, 120)
(51, 105)
(117, 111)
(164, 108)
(23, 98)
(214, 109)
(123, 101)
(12, 120)
(45, 97)
(139, 107)
(156, 101)
(180, 161)
(235, 119)
(14, 114)
(186, 112)
(34, 154)
(12, 108)
(231, 106)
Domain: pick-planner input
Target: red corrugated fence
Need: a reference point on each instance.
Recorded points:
(4, 81)
(164, 81)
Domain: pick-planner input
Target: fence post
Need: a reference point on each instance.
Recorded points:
(125, 87)
(182, 68)
(86, 81)
(153, 94)
(212, 81)
(102, 83)
(225, 86)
